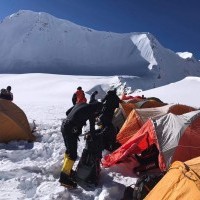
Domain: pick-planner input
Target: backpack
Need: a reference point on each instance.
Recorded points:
(148, 155)
(88, 169)
(142, 187)
(148, 159)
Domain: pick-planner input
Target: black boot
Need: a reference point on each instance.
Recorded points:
(73, 175)
(67, 181)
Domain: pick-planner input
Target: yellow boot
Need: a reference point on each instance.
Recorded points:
(65, 175)
(67, 165)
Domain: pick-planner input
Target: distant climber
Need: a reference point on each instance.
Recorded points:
(92, 97)
(9, 93)
(79, 96)
(6, 93)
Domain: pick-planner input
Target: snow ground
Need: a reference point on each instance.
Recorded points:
(30, 171)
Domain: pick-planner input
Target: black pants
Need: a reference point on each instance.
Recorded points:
(70, 137)
(109, 137)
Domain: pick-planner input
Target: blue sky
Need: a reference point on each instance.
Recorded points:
(175, 23)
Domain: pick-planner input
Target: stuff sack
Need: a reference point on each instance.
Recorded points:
(142, 187)
(88, 168)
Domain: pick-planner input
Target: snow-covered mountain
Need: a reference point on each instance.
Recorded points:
(34, 42)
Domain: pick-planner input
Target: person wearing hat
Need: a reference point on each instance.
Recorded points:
(9, 93)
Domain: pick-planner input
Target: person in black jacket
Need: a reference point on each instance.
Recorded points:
(110, 103)
(71, 128)
(92, 97)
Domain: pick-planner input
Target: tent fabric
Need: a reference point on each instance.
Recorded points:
(149, 104)
(145, 137)
(154, 98)
(121, 114)
(132, 124)
(134, 100)
(138, 117)
(175, 134)
(118, 119)
(127, 108)
(191, 139)
(182, 181)
(14, 124)
(180, 109)
(157, 112)
(171, 133)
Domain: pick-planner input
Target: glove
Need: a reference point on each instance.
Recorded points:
(87, 136)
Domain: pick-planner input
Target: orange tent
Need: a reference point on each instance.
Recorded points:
(149, 103)
(127, 108)
(182, 181)
(176, 137)
(14, 124)
(138, 117)
(134, 100)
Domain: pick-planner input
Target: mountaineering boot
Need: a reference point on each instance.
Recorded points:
(66, 175)
(66, 181)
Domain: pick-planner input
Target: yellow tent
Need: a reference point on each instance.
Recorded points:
(13, 123)
(182, 181)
